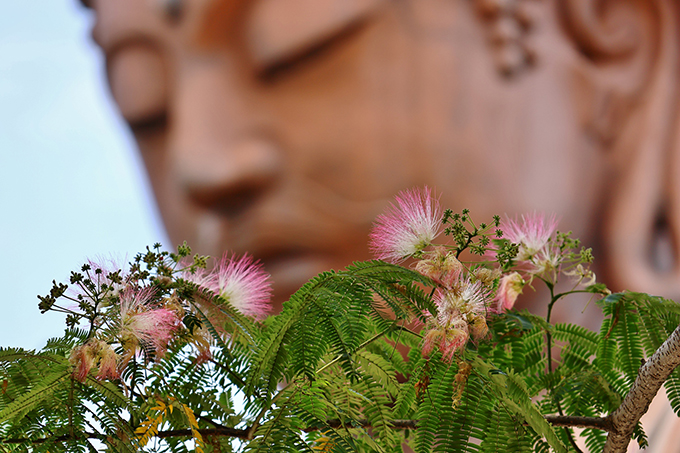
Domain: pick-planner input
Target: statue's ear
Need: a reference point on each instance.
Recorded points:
(630, 71)
(280, 30)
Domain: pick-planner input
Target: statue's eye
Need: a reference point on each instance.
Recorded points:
(285, 31)
(139, 81)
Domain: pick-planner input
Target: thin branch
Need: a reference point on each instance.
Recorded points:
(62, 438)
(245, 433)
(575, 421)
(363, 423)
(648, 382)
(224, 431)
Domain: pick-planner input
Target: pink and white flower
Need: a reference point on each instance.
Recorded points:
(242, 281)
(582, 275)
(509, 289)
(407, 227)
(143, 326)
(245, 284)
(533, 233)
(461, 313)
(441, 266)
(83, 358)
(94, 353)
(108, 363)
(448, 338)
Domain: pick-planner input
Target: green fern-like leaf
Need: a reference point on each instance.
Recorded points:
(26, 402)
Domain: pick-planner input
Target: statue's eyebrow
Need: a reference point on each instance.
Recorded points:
(279, 30)
(112, 32)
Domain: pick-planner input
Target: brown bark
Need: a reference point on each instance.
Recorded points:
(650, 378)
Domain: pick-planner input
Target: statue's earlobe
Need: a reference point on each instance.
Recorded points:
(630, 55)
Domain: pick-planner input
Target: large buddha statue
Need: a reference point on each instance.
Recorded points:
(283, 127)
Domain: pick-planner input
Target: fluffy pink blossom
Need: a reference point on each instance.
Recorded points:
(449, 330)
(468, 297)
(449, 338)
(245, 284)
(144, 326)
(407, 227)
(201, 277)
(509, 289)
(108, 363)
(461, 313)
(533, 235)
(105, 289)
(94, 353)
(83, 359)
(242, 281)
(475, 296)
(441, 266)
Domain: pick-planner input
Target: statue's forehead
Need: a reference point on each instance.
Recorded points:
(119, 21)
(271, 29)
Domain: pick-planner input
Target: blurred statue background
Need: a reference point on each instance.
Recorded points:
(283, 127)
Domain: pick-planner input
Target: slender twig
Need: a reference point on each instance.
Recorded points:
(363, 423)
(70, 407)
(62, 438)
(235, 378)
(603, 423)
(574, 421)
(548, 336)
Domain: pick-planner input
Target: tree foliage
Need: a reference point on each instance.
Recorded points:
(359, 359)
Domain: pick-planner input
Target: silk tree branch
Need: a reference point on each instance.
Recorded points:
(651, 377)
(576, 421)
(245, 434)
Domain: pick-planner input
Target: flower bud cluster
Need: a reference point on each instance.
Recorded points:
(134, 312)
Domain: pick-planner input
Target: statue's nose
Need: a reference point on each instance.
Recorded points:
(232, 176)
(220, 154)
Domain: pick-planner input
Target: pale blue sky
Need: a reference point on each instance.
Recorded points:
(71, 183)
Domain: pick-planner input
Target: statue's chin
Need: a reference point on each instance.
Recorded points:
(290, 272)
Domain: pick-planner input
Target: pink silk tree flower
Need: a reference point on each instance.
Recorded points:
(144, 326)
(108, 363)
(200, 277)
(509, 289)
(455, 338)
(407, 227)
(244, 283)
(449, 337)
(241, 281)
(475, 297)
(83, 359)
(441, 266)
(537, 254)
(91, 354)
(532, 233)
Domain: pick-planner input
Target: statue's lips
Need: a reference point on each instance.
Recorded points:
(298, 231)
(299, 216)
(291, 270)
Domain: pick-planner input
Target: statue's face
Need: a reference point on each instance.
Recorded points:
(282, 128)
